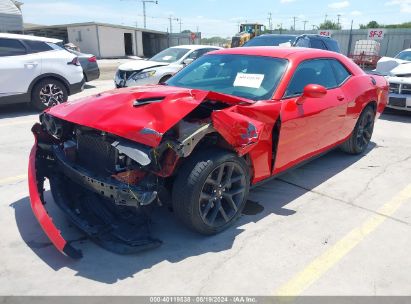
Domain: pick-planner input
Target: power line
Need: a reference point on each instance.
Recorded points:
(144, 10)
(294, 18)
(305, 21)
(171, 19)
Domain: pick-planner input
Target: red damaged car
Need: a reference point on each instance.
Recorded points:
(229, 120)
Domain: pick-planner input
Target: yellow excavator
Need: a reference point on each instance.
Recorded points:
(247, 31)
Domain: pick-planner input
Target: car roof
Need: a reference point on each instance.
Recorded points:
(29, 37)
(315, 36)
(275, 35)
(276, 52)
(196, 46)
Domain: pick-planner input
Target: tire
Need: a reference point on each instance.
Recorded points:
(41, 97)
(164, 78)
(361, 136)
(198, 197)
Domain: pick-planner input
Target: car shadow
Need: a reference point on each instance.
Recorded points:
(17, 110)
(179, 243)
(396, 115)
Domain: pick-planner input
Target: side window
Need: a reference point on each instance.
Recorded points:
(11, 47)
(303, 42)
(37, 46)
(340, 71)
(316, 71)
(318, 44)
(194, 55)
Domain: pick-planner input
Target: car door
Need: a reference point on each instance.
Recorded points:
(314, 125)
(18, 67)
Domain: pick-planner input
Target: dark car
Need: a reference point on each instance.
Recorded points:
(307, 40)
(89, 64)
(317, 42)
(271, 40)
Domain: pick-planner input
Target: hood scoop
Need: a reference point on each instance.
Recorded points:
(143, 101)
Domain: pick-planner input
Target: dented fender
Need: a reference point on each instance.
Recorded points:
(249, 131)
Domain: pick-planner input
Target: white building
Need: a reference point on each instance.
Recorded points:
(112, 41)
(11, 19)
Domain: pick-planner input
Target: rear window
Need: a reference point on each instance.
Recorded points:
(333, 45)
(11, 47)
(318, 44)
(37, 46)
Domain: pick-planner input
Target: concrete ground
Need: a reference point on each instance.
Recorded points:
(340, 225)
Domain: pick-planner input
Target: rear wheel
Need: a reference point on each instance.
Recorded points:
(47, 93)
(361, 136)
(211, 190)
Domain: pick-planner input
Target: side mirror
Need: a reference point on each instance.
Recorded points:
(312, 91)
(188, 61)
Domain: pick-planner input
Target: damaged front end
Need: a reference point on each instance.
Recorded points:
(104, 183)
(107, 177)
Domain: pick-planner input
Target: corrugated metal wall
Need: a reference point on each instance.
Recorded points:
(395, 40)
(11, 19)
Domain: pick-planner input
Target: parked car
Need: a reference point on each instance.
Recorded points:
(89, 64)
(398, 74)
(271, 40)
(228, 121)
(160, 67)
(317, 42)
(307, 40)
(37, 70)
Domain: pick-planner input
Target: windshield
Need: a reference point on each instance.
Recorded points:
(269, 41)
(251, 77)
(170, 55)
(404, 55)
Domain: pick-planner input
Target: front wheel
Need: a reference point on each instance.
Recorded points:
(361, 136)
(211, 190)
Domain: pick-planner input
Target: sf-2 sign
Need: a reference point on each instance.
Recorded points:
(376, 34)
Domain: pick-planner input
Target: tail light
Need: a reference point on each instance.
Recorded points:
(92, 59)
(75, 61)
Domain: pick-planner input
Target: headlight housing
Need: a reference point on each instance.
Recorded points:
(142, 75)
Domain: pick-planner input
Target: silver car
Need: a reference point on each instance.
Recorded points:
(159, 68)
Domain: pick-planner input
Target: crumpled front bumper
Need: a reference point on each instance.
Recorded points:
(95, 215)
(37, 204)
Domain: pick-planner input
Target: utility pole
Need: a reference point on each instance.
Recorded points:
(305, 21)
(270, 21)
(294, 18)
(338, 19)
(325, 19)
(180, 24)
(144, 10)
(171, 19)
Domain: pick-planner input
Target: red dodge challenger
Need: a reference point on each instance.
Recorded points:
(198, 142)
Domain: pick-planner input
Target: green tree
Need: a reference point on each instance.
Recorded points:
(371, 24)
(329, 25)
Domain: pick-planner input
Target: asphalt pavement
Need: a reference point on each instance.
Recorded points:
(339, 225)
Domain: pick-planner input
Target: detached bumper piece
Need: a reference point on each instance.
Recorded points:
(104, 211)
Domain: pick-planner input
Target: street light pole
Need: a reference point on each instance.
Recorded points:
(144, 10)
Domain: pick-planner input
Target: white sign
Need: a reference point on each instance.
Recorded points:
(327, 33)
(376, 34)
(248, 80)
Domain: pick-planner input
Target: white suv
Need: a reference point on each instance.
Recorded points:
(37, 70)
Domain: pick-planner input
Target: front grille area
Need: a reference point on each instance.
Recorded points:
(397, 102)
(95, 154)
(398, 88)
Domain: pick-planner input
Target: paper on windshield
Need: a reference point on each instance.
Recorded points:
(167, 57)
(248, 80)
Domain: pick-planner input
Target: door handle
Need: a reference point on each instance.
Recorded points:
(31, 64)
(340, 98)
